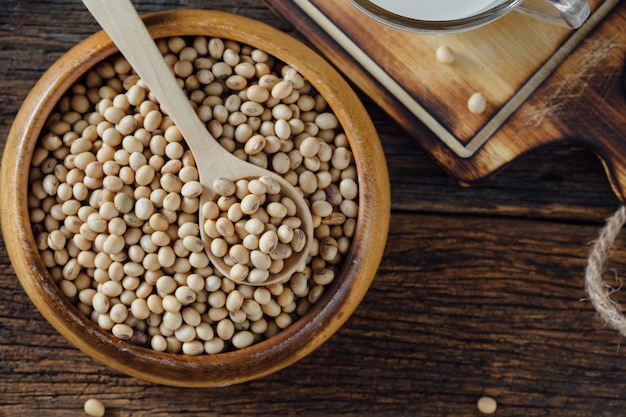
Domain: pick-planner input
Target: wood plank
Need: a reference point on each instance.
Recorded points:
(430, 337)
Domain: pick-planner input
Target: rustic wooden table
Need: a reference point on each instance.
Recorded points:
(480, 291)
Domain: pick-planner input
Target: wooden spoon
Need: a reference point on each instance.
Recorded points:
(121, 22)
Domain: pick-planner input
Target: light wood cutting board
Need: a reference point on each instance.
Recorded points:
(544, 84)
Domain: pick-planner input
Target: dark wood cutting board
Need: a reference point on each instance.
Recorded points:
(544, 84)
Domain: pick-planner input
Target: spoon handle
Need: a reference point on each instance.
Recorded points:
(120, 21)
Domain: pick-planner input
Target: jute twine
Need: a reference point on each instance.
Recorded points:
(599, 292)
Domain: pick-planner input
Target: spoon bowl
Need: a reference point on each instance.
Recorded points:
(130, 35)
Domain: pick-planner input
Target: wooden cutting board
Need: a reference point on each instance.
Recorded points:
(544, 84)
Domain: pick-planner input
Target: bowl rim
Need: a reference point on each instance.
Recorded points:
(271, 355)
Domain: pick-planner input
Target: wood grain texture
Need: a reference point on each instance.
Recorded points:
(480, 290)
(544, 85)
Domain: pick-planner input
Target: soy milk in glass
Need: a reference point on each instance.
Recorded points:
(438, 10)
(441, 16)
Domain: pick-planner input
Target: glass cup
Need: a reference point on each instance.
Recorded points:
(444, 16)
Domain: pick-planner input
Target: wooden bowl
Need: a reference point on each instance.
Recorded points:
(288, 346)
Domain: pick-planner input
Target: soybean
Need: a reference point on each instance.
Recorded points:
(94, 407)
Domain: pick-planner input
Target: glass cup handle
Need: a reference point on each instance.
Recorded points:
(570, 13)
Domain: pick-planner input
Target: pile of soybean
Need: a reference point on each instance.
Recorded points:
(114, 196)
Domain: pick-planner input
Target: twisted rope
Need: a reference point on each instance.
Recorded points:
(599, 292)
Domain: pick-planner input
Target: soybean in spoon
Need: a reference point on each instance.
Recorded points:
(120, 21)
